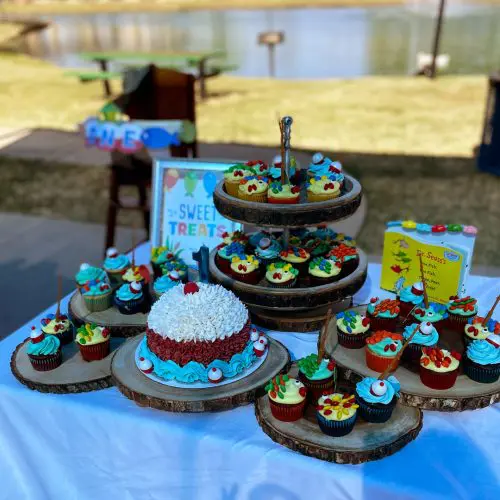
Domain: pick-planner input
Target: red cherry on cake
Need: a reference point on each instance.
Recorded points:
(215, 375)
(331, 366)
(295, 189)
(191, 287)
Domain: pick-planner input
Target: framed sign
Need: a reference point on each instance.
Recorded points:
(182, 209)
(446, 257)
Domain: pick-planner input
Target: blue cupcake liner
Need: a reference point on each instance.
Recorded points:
(130, 306)
(374, 414)
(336, 428)
(484, 374)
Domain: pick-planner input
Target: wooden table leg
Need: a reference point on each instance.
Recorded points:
(201, 78)
(103, 65)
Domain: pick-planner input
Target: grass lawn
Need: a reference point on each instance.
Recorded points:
(374, 114)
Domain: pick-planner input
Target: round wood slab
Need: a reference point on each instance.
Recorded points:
(291, 299)
(74, 375)
(145, 392)
(298, 215)
(119, 325)
(464, 395)
(365, 443)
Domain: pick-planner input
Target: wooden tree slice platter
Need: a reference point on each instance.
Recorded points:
(298, 215)
(291, 299)
(464, 395)
(145, 392)
(73, 376)
(120, 325)
(365, 443)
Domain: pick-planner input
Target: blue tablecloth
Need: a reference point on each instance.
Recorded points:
(100, 445)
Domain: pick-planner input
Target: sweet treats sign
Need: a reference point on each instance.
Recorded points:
(446, 256)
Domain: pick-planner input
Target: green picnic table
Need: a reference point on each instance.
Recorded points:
(174, 60)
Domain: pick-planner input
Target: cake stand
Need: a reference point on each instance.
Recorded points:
(146, 392)
(464, 395)
(73, 376)
(365, 443)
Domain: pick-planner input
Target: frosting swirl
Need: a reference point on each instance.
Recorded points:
(426, 334)
(164, 283)
(483, 352)
(409, 296)
(90, 273)
(389, 389)
(125, 293)
(116, 263)
(49, 345)
(271, 252)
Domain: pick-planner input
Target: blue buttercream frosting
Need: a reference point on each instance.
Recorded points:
(434, 313)
(321, 168)
(49, 345)
(116, 263)
(270, 252)
(419, 338)
(363, 389)
(164, 283)
(406, 295)
(196, 372)
(93, 289)
(324, 233)
(275, 172)
(483, 353)
(91, 274)
(256, 237)
(125, 294)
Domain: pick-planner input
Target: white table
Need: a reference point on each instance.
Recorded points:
(100, 445)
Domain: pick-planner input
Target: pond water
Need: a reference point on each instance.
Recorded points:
(319, 43)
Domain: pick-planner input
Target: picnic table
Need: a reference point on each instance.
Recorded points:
(201, 62)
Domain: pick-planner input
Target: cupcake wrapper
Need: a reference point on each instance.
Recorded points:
(315, 388)
(314, 198)
(281, 201)
(223, 264)
(287, 413)
(388, 324)
(485, 374)
(98, 303)
(257, 198)
(438, 380)
(457, 323)
(130, 306)
(94, 352)
(232, 188)
(352, 340)
(288, 284)
(374, 414)
(251, 278)
(45, 363)
(336, 428)
(379, 363)
(317, 281)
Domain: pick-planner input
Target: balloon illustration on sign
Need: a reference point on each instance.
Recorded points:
(209, 183)
(171, 178)
(190, 181)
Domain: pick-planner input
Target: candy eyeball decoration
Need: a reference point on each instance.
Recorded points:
(426, 328)
(174, 275)
(145, 365)
(111, 252)
(254, 334)
(317, 158)
(263, 339)
(215, 375)
(259, 348)
(36, 335)
(84, 266)
(378, 388)
(135, 287)
(277, 160)
(264, 243)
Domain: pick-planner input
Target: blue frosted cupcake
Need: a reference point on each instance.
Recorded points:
(254, 238)
(225, 254)
(377, 398)
(115, 265)
(409, 297)
(165, 283)
(426, 336)
(89, 274)
(130, 299)
(268, 251)
(44, 351)
(482, 360)
(336, 414)
(324, 233)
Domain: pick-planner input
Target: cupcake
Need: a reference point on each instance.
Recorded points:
(352, 329)
(426, 336)
(226, 253)
(160, 256)
(410, 297)
(294, 172)
(130, 299)
(258, 166)
(383, 314)
(287, 398)
(439, 368)
(115, 265)
(475, 330)
(317, 377)
(165, 283)
(245, 268)
(254, 238)
(322, 189)
(177, 265)
(268, 251)
(323, 271)
(88, 273)
(317, 247)
(347, 255)
(298, 257)
(435, 313)
(235, 237)
(97, 297)
(232, 177)
(319, 165)
(460, 311)
(482, 360)
(323, 232)
(381, 350)
(284, 194)
(336, 414)
(44, 351)
(344, 239)
(253, 188)
(281, 275)
(60, 327)
(377, 398)
(135, 273)
(93, 341)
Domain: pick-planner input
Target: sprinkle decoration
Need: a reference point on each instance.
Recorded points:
(383, 334)
(466, 304)
(276, 386)
(387, 305)
(342, 251)
(438, 357)
(338, 404)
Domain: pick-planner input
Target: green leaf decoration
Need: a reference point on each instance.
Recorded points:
(309, 365)
(281, 395)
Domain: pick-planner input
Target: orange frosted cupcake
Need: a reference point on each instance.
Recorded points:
(253, 188)
(381, 349)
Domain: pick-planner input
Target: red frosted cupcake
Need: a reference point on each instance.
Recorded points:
(383, 314)
(245, 268)
(439, 368)
(382, 349)
(287, 398)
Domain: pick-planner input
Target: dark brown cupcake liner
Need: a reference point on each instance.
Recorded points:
(388, 324)
(352, 340)
(457, 323)
(94, 352)
(45, 363)
(287, 413)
